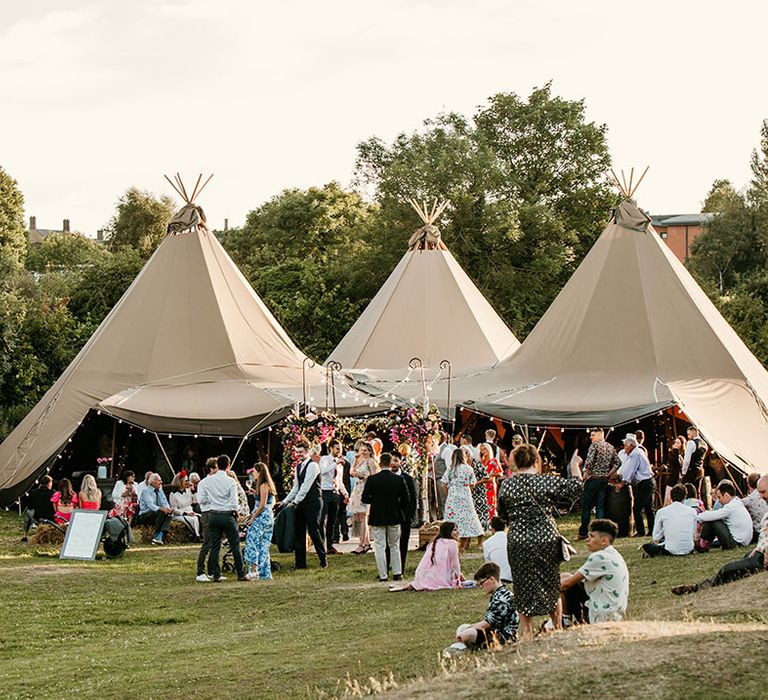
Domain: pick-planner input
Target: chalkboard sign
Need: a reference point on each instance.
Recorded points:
(83, 534)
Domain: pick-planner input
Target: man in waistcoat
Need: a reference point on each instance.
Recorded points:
(306, 498)
(693, 462)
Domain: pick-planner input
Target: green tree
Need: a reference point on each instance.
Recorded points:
(303, 252)
(729, 245)
(526, 182)
(722, 197)
(103, 283)
(64, 252)
(141, 222)
(13, 236)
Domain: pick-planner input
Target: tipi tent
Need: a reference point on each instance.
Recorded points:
(632, 333)
(189, 347)
(429, 309)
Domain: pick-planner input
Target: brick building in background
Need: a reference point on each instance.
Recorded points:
(679, 231)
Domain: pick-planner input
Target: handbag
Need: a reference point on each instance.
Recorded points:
(567, 550)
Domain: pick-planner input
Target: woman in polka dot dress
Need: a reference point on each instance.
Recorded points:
(525, 502)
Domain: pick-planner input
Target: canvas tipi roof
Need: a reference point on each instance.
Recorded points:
(428, 308)
(629, 334)
(190, 347)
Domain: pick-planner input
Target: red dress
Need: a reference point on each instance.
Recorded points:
(493, 471)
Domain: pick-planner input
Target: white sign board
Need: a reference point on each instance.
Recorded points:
(83, 534)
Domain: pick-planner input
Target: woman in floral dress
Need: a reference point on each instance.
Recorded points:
(526, 500)
(260, 524)
(493, 472)
(479, 499)
(457, 482)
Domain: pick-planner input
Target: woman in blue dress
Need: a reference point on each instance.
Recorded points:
(260, 525)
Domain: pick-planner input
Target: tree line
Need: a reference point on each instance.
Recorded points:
(525, 178)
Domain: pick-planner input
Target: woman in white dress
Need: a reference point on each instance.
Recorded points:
(459, 507)
(363, 466)
(181, 502)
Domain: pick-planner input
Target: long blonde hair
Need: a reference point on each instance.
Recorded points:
(89, 491)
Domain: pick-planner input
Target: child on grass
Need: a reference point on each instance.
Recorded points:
(601, 585)
(501, 619)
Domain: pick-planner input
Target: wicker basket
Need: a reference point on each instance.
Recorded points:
(427, 533)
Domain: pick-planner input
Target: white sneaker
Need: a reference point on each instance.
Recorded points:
(252, 576)
(202, 578)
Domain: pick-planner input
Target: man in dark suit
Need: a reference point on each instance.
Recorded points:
(388, 496)
(409, 511)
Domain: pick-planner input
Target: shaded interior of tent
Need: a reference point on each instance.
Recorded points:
(118, 445)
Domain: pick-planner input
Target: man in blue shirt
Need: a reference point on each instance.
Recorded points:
(637, 471)
(154, 509)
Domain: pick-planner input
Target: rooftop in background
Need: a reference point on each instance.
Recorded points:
(678, 231)
(38, 235)
(680, 219)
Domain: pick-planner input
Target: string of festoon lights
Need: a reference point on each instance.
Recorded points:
(386, 399)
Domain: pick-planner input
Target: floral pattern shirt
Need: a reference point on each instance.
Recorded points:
(502, 615)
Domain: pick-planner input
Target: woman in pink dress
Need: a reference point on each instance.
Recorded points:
(90, 495)
(439, 567)
(64, 501)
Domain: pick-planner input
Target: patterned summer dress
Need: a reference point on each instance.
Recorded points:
(364, 470)
(479, 497)
(459, 508)
(533, 540)
(258, 538)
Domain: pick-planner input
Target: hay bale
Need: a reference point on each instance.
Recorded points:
(178, 534)
(47, 535)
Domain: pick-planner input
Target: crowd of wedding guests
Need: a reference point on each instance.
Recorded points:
(482, 496)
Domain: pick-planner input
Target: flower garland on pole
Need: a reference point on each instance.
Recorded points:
(315, 428)
(419, 427)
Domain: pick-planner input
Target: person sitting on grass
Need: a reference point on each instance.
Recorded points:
(692, 499)
(499, 626)
(439, 567)
(495, 548)
(753, 563)
(674, 527)
(601, 585)
(731, 524)
(39, 506)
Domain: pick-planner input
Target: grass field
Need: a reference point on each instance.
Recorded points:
(141, 626)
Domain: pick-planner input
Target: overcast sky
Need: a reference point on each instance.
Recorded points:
(98, 96)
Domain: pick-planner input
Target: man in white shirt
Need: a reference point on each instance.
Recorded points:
(731, 524)
(332, 488)
(466, 441)
(674, 527)
(754, 563)
(636, 470)
(495, 548)
(306, 498)
(205, 548)
(217, 494)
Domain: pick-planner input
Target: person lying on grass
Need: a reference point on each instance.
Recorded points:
(501, 619)
(601, 585)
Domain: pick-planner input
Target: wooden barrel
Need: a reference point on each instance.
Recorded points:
(618, 507)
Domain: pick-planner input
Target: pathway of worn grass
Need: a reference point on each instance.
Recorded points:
(141, 626)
